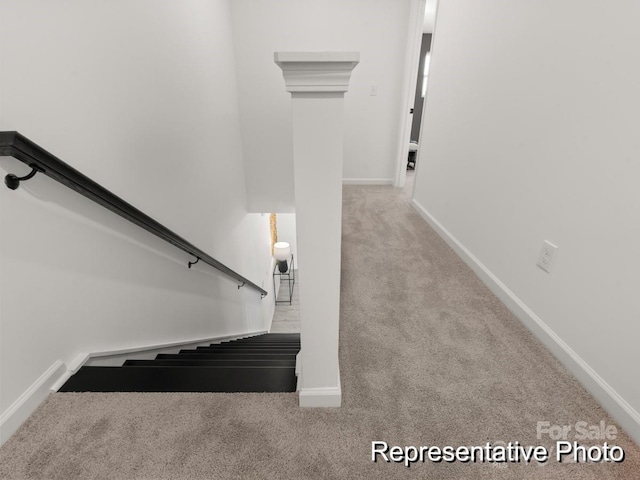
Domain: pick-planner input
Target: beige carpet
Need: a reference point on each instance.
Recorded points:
(428, 357)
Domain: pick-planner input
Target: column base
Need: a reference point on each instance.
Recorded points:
(326, 397)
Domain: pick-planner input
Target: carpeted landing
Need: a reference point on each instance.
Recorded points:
(428, 356)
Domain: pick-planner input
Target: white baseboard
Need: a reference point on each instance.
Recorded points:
(617, 406)
(72, 368)
(367, 181)
(324, 397)
(19, 411)
(320, 397)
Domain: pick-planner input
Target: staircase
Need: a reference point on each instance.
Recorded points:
(265, 363)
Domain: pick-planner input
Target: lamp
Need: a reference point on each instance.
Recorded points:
(282, 252)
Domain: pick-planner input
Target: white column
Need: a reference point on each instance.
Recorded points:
(317, 82)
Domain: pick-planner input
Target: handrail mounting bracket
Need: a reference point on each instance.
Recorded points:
(13, 181)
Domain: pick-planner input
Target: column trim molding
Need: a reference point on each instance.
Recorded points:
(316, 71)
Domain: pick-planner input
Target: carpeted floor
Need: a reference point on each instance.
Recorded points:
(428, 356)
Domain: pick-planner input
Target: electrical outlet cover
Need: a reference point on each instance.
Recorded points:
(547, 256)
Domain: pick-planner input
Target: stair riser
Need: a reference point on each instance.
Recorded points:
(256, 345)
(224, 356)
(271, 351)
(246, 347)
(210, 363)
(182, 379)
(272, 336)
(269, 340)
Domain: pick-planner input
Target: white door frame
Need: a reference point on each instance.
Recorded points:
(412, 60)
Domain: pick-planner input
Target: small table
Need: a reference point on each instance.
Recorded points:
(290, 275)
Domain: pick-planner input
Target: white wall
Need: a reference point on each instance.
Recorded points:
(141, 96)
(530, 133)
(378, 30)
(286, 223)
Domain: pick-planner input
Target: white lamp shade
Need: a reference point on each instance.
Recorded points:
(281, 251)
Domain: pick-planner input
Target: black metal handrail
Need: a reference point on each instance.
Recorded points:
(18, 146)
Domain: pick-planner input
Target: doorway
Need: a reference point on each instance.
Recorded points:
(421, 87)
(419, 41)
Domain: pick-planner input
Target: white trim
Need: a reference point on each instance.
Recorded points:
(367, 181)
(617, 406)
(312, 72)
(19, 411)
(77, 362)
(328, 397)
(321, 397)
(72, 368)
(66, 375)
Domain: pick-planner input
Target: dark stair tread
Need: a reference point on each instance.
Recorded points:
(271, 337)
(198, 362)
(233, 355)
(265, 340)
(256, 345)
(182, 379)
(291, 351)
(253, 345)
(276, 335)
(224, 348)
